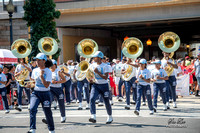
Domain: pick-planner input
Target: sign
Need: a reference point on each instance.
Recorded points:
(182, 87)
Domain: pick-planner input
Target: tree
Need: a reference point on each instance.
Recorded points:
(40, 16)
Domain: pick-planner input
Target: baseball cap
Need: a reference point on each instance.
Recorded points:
(98, 54)
(187, 57)
(54, 62)
(157, 62)
(143, 61)
(1, 66)
(41, 56)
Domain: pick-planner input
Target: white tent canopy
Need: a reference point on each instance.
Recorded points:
(7, 57)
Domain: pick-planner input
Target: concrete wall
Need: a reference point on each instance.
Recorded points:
(154, 13)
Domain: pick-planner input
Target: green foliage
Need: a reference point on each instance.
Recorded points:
(40, 16)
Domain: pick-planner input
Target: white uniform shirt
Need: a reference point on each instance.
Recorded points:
(197, 67)
(102, 68)
(21, 67)
(71, 69)
(118, 69)
(38, 83)
(3, 79)
(179, 70)
(125, 67)
(161, 72)
(151, 67)
(56, 77)
(146, 74)
(164, 64)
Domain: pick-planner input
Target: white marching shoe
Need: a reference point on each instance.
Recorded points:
(93, 118)
(109, 120)
(164, 107)
(51, 131)
(168, 106)
(87, 106)
(174, 105)
(151, 112)
(80, 106)
(7, 111)
(31, 131)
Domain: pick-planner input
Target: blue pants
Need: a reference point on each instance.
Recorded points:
(3, 94)
(156, 88)
(42, 97)
(128, 85)
(73, 89)
(67, 85)
(171, 88)
(147, 90)
(58, 92)
(20, 90)
(143, 96)
(120, 87)
(102, 89)
(80, 85)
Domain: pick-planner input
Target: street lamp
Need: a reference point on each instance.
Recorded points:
(10, 9)
(149, 42)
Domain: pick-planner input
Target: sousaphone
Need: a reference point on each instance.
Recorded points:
(169, 42)
(131, 48)
(21, 48)
(86, 48)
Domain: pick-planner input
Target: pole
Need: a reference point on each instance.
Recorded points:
(149, 52)
(11, 30)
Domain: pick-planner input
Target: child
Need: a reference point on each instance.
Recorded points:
(158, 76)
(143, 79)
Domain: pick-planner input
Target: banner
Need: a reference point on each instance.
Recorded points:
(182, 87)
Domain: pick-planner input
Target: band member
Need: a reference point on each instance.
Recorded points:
(3, 81)
(19, 70)
(130, 83)
(167, 62)
(73, 83)
(67, 84)
(80, 84)
(143, 84)
(118, 80)
(41, 94)
(158, 77)
(55, 88)
(100, 86)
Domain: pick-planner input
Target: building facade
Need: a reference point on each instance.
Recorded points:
(108, 22)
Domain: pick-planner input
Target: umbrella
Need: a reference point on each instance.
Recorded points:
(7, 57)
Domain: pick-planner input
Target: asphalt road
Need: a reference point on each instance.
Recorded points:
(184, 119)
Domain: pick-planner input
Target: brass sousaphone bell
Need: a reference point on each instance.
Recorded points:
(48, 46)
(169, 42)
(131, 48)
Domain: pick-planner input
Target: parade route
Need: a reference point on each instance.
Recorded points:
(184, 119)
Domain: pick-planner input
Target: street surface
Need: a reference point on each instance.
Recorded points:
(184, 119)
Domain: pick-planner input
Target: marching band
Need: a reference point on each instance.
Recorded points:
(90, 78)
